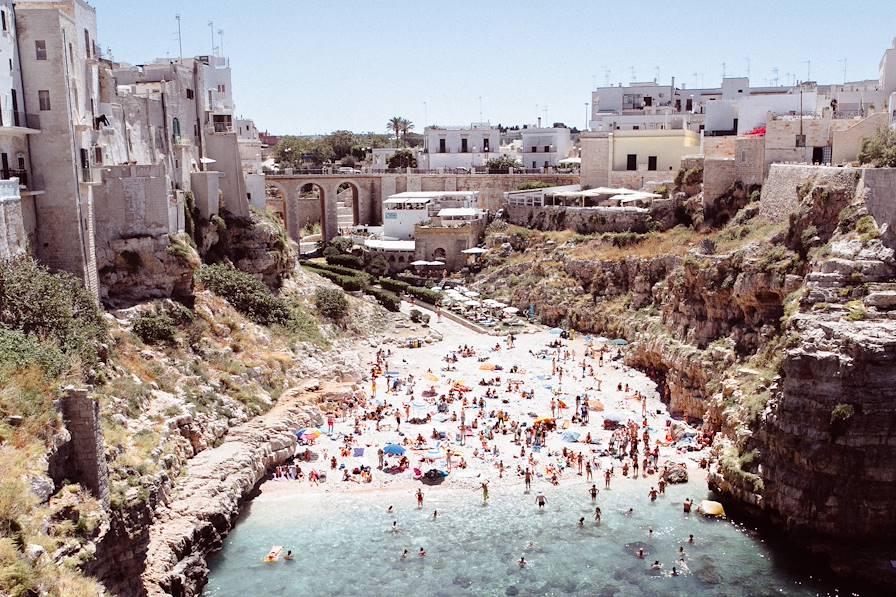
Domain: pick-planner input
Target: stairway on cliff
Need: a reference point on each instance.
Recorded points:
(344, 214)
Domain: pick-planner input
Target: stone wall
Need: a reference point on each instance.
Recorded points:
(430, 240)
(878, 185)
(718, 175)
(224, 149)
(595, 160)
(491, 187)
(13, 239)
(780, 193)
(132, 201)
(584, 220)
(846, 142)
(719, 147)
(86, 459)
(750, 160)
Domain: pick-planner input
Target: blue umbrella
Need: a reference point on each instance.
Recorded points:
(555, 331)
(571, 437)
(393, 450)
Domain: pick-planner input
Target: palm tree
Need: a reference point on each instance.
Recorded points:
(394, 125)
(406, 127)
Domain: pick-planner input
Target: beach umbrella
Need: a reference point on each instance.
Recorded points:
(555, 331)
(472, 303)
(620, 342)
(471, 293)
(571, 437)
(311, 433)
(393, 450)
(511, 310)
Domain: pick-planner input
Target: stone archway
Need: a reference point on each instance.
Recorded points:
(311, 215)
(347, 204)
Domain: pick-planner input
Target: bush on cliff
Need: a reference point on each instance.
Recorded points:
(154, 328)
(396, 286)
(51, 307)
(246, 294)
(425, 294)
(331, 303)
(880, 149)
(350, 261)
(389, 300)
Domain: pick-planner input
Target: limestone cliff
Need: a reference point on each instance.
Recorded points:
(777, 331)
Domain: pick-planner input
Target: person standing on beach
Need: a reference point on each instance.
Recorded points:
(419, 498)
(528, 478)
(593, 491)
(541, 501)
(485, 491)
(607, 476)
(380, 455)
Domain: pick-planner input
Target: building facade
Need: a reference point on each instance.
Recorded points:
(460, 147)
(544, 147)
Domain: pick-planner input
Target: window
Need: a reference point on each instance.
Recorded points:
(801, 140)
(648, 101)
(3, 18)
(189, 94)
(40, 49)
(534, 149)
(688, 105)
(441, 146)
(651, 162)
(98, 155)
(43, 99)
(71, 57)
(10, 65)
(87, 42)
(631, 101)
(485, 145)
(220, 88)
(547, 149)
(463, 146)
(631, 161)
(545, 163)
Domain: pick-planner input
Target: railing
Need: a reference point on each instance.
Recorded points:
(21, 119)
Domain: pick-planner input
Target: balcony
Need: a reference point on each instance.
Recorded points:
(90, 175)
(18, 123)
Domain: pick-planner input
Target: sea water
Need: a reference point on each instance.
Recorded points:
(343, 545)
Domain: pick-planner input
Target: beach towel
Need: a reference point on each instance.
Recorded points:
(358, 453)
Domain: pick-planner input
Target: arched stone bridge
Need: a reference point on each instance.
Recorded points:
(298, 211)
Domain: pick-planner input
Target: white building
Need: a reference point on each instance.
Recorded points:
(250, 146)
(544, 147)
(381, 155)
(403, 211)
(453, 147)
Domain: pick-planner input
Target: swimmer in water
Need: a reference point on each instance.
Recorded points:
(395, 528)
(404, 555)
(288, 555)
(421, 553)
(656, 565)
(541, 500)
(597, 514)
(641, 553)
(674, 571)
(690, 538)
(435, 513)
(522, 562)
(582, 522)
(389, 510)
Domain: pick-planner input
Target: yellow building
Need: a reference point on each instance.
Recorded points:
(630, 158)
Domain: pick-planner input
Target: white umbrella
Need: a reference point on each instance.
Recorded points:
(471, 293)
(499, 305)
(511, 310)
(474, 251)
(472, 303)
(436, 263)
(420, 262)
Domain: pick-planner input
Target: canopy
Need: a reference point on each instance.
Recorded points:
(570, 161)
(420, 262)
(310, 433)
(511, 310)
(471, 293)
(207, 160)
(437, 263)
(474, 251)
(393, 450)
(472, 303)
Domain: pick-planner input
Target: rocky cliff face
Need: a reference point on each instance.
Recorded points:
(778, 335)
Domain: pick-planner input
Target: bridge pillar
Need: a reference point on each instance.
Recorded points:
(329, 227)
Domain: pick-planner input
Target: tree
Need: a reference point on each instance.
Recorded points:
(503, 164)
(406, 127)
(341, 142)
(378, 266)
(879, 150)
(403, 158)
(295, 152)
(395, 124)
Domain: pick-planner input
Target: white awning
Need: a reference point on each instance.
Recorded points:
(402, 200)
(456, 212)
(390, 245)
(474, 251)
(420, 262)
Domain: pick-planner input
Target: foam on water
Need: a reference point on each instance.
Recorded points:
(344, 546)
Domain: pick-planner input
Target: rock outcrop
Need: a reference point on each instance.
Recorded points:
(201, 510)
(147, 267)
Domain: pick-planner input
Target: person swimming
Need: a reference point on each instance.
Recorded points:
(435, 513)
(421, 553)
(288, 555)
(522, 562)
(404, 555)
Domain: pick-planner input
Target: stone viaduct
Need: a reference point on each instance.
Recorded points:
(367, 192)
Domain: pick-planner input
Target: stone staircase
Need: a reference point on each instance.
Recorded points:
(344, 216)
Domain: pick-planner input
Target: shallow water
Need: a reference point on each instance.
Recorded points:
(343, 546)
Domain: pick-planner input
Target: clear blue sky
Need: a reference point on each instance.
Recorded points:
(313, 66)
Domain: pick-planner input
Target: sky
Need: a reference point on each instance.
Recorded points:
(307, 67)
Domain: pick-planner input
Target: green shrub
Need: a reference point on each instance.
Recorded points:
(396, 286)
(425, 294)
(350, 261)
(336, 269)
(389, 300)
(331, 303)
(18, 351)
(867, 227)
(532, 184)
(879, 150)
(349, 283)
(842, 412)
(154, 328)
(246, 294)
(341, 245)
(855, 311)
(52, 307)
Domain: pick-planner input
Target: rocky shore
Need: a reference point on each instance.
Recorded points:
(202, 508)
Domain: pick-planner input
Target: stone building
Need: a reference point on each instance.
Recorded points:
(630, 159)
(544, 147)
(459, 147)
